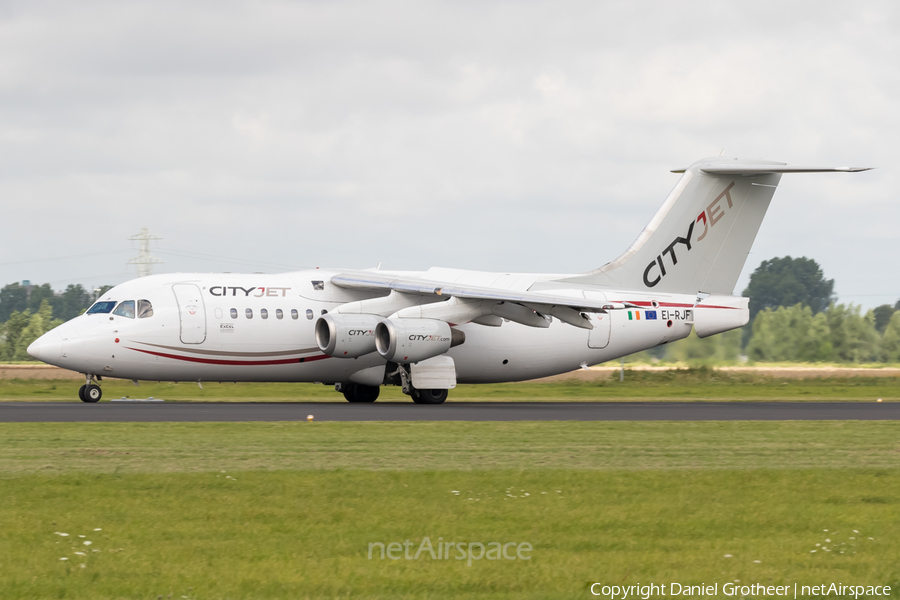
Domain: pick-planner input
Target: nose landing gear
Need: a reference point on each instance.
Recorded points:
(90, 391)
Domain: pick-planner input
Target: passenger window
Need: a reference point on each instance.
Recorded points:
(279, 314)
(102, 307)
(263, 313)
(309, 314)
(218, 313)
(294, 314)
(249, 313)
(125, 309)
(234, 313)
(145, 309)
(324, 312)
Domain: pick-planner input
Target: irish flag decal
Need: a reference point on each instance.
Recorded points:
(635, 315)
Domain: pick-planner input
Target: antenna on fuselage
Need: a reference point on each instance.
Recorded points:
(144, 260)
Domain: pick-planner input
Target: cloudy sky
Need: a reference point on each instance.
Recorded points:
(266, 136)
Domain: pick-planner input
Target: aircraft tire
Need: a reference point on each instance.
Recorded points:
(92, 393)
(430, 396)
(81, 393)
(361, 393)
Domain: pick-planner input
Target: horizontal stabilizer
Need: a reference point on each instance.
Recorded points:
(739, 169)
(700, 237)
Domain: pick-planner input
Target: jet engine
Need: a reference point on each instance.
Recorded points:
(346, 336)
(412, 340)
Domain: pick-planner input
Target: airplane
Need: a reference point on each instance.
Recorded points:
(427, 331)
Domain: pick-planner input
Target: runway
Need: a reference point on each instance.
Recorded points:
(64, 412)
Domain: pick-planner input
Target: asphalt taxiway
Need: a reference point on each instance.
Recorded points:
(23, 412)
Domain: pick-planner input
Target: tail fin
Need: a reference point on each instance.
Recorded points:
(699, 239)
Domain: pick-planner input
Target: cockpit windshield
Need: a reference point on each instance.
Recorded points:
(125, 309)
(102, 307)
(145, 309)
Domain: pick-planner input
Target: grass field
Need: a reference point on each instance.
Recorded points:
(288, 510)
(681, 385)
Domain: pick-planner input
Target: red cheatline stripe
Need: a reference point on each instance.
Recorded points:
(238, 363)
(678, 305)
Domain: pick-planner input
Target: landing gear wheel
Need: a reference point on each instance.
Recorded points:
(361, 393)
(92, 393)
(429, 396)
(81, 393)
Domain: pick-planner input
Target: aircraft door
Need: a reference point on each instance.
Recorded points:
(598, 337)
(191, 312)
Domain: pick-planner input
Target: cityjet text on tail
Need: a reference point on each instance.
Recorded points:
(427, 331)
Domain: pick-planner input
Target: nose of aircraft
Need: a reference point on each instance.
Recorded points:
(48, 347)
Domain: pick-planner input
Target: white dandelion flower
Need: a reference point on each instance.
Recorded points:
(727, 556)
(811, 551)
(855, 531)
(98, 529)
(64, 558)
(63, 534)
(81, 554)
(87, 542)
(81, 536)
(827, 540)
(82, 565)
(757, 561)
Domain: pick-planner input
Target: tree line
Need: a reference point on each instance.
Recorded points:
(28, 312)
(794, 318)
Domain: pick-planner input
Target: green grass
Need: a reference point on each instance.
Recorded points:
(679, 385)
(120, 448)
(297, 535)
(287, 510)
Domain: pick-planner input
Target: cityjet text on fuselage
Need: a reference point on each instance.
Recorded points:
(236, 290)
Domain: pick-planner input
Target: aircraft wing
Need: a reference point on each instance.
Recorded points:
(371, 281)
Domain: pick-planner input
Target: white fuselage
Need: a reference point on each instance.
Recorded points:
(211, 328)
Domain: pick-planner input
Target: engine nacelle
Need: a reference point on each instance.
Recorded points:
(412, 340)
(716, 314)
(346, 336)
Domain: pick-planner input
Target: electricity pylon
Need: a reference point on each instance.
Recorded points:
(144, 260)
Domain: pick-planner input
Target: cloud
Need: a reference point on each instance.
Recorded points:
(497, 136)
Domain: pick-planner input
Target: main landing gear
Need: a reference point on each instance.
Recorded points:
(429, 396)
(355, 392)
(418, 396)
(90, 391)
